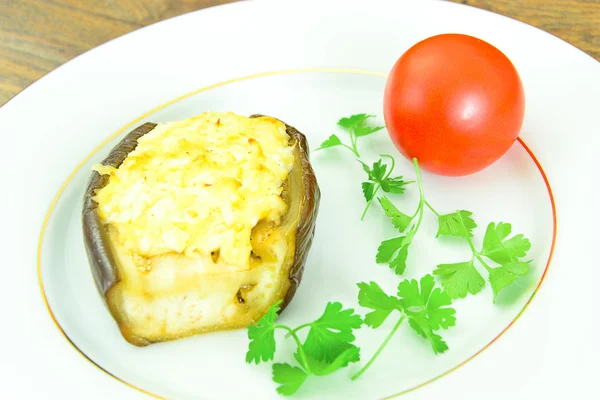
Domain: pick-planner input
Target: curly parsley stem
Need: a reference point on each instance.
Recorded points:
(354, 148)
(419, 180)
(412, 217)
(299, 344)
(471, 245)
(437, 214)
(392, 167)
(422, 200)
(420, 210)
(481, 260)
(380, 349)
(295, 330)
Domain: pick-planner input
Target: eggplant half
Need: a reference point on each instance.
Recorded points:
(195, 250)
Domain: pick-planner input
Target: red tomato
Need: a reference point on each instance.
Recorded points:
(454, 102)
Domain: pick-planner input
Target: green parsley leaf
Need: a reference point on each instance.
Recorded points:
(426, 308)
(398, 264)
(354, 121)
(372, 296)
(321, 368)
(350, 355)
(388, 248)
(378, 171)
(332, 141)
(461, 278)
(438, 312)
(394, 185)
(376, 174)
(367, 169)
(368, 189)
(331, 334)
(412, 299)
(517, 267)
(421, 325)
(366, 130)
(357, 126)
(379, 177)
(400, 220)
(290, 378)
(502, 251)
(262, 336)
(450, 225)
(500, 278)
(437, 343)
(503, 276)
(398, 247)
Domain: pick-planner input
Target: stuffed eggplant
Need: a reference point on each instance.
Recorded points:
(200, 225)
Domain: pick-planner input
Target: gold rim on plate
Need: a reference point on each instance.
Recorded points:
(244, 78)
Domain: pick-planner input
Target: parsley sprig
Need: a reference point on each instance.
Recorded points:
(327, 348)
(425, 307)
(329, 344)
(395, 251)
(459, 278)
(356, 126)
(379, 178)
(378, 175)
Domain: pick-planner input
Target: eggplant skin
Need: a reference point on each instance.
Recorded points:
(95, 233)
(311, 197)
(302, 190)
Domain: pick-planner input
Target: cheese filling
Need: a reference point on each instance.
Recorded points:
(198, 187)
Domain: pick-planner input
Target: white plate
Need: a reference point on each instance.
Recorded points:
(52, 126)
(512, 190)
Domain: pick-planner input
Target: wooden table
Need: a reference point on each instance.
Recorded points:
(36, 36)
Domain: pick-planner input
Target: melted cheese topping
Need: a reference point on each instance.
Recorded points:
(199, 186)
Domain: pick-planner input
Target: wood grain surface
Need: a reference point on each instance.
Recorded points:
(36, 36)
